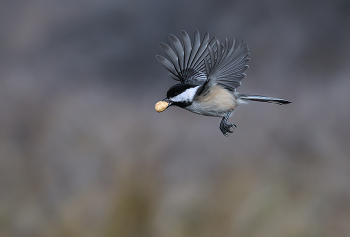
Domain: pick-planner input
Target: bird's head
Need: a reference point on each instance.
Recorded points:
(181, 95)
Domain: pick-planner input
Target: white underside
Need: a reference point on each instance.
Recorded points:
(218, 103)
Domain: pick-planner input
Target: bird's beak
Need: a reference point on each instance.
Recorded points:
(162, 105)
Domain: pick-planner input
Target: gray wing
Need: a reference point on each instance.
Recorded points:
(226, 63)
(186, 61)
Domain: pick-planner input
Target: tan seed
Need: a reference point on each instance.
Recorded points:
(161, 106)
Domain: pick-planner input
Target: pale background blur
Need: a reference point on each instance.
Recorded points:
(83, 153)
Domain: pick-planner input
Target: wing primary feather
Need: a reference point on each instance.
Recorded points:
(175, 77)
(195, 47)
(235, 68)
(235, 72)
(232, 48)
(226, 47)
(171, 54)
(168, 65)
(212, 56)
(187, 48)
(203, 54)
(226, 63)
(219, 52)
(207, 67)
(206, 58)
(234, 64)
(238, 74)
(240, 55)
(200, 51)
(178, 49)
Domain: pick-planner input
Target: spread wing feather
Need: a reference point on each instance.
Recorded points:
(186, 62)
(196, 45)
(178, 50)
(168, 65)
(171, 54)
(227, 63)
(187, 48)
(204, 60)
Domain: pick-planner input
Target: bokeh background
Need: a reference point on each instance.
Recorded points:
(83, 153)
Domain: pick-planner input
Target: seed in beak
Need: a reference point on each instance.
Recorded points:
(161, 106)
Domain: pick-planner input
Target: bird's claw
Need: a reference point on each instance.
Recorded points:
(227, 128)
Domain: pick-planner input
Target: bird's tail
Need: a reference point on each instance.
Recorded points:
(264, 99)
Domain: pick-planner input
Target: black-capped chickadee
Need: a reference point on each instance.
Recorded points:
(209, 72)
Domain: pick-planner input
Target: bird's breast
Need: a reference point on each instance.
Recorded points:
(216, 102)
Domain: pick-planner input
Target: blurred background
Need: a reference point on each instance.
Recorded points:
(83, 152)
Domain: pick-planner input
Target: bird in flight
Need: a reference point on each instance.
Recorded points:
(209, 72)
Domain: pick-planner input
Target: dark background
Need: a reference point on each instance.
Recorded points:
(83, 153)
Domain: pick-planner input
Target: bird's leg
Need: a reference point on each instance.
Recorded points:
(226, 128)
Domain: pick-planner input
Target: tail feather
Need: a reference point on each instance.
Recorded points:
(264, 99)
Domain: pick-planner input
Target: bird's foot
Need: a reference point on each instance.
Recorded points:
(226, 128)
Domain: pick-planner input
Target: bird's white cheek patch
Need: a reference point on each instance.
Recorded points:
(187, 95)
